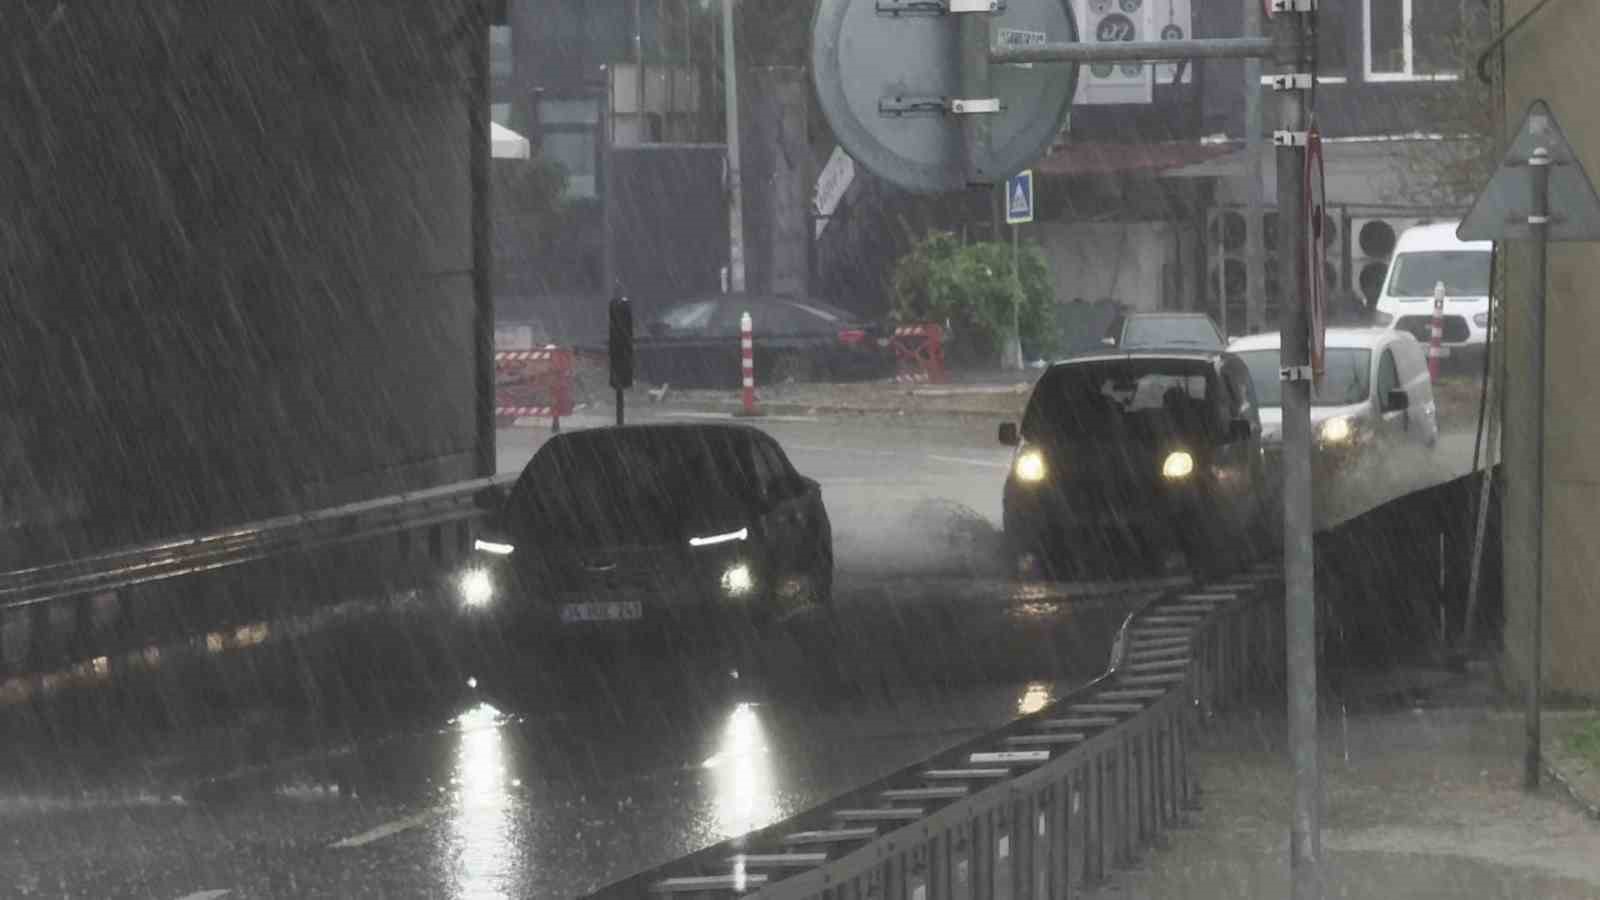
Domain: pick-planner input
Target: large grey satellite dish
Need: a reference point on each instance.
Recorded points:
(886, 69)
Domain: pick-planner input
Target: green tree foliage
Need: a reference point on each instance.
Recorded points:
(971, 287)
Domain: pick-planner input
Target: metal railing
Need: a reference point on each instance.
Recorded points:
(29, 587)
(1040, 808)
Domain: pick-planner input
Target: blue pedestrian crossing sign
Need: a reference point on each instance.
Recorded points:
(1019, 198)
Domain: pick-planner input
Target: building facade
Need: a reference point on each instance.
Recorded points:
(1550, 58)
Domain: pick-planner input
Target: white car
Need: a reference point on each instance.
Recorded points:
(1374, 398)
(1424, 257)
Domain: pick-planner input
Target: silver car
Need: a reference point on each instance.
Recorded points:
(1374, 402)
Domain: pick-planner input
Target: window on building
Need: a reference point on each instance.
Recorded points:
(567, 135)
(500, 56)
(1418, 39)
(1331, 59)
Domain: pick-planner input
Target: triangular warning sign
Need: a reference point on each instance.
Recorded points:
(1501, 210)
(1019, 202)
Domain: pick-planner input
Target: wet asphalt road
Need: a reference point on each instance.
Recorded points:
(379, 751)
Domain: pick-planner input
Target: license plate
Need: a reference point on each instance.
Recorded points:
(610, 611)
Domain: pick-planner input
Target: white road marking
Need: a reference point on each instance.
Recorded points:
(387, 830)
(986, 463)
(206, 895)
(699, 415)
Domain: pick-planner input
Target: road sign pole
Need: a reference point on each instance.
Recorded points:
(1255, 267)
(974, 81)
(1305, 848)
(1016, 298)
(1539, 225)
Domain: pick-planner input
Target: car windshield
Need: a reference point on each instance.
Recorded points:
(1170, 331)
(634, 486)
(1465, 273)
(1345, 381)
(689, 316)
(1139, 400)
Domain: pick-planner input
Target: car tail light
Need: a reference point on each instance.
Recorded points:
(852, 336)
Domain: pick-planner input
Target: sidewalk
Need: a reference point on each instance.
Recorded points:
(1421, 802)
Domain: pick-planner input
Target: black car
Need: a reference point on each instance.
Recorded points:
(1164, 330)
(696, 343)
(1122, 459)
(653, 525)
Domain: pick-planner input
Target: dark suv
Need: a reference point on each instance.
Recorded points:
(1164, 331)
(1122, 459)
(649, 526)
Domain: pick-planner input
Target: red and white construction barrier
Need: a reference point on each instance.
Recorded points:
(919, 354)
(533, 384)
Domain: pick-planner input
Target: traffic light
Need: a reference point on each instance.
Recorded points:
(620, 343)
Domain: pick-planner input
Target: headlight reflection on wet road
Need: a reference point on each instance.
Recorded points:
(741, 774)
(480, 818)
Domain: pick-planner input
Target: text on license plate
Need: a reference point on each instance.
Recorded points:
(610, 611)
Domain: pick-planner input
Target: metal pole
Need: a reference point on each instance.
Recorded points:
(1539, 225)
(619, 407)
(478, 156)
(608, 244)
(730, 84)
(974, 85)
(1254, 252)
(1305, 848)
(1016, 297)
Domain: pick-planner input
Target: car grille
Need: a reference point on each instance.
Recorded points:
(1455, 328)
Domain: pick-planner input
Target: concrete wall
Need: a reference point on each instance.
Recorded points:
(1553, 58)
(1121, 261)
(238, 241)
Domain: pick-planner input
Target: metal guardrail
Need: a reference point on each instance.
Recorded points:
(249, 542)
(1038, 809)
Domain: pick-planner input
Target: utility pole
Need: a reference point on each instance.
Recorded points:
(607, 188)
(1254, 252)
(1305, 838)
(1539, 226)
(730, 83)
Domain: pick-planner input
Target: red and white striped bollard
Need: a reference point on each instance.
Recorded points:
(1436, 332)
(747, 357)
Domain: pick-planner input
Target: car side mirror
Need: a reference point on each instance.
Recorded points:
(1108, 341)
(1240, 430)
(1396, 401)
(1008, 434)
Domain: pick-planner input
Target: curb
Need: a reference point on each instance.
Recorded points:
(1587, 805)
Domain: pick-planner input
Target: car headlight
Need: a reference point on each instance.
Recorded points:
(1382, 319)
(1179, 465)
(1029, 466)
(1337, 430)
(497, 548)
(711, 540)
(477, 588)
(738, 580)
(1481, 320)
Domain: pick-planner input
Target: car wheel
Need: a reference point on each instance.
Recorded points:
(793, 367)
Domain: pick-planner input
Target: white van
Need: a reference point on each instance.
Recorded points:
(1423, 257)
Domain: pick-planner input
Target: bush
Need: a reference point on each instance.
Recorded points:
(971, 289)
